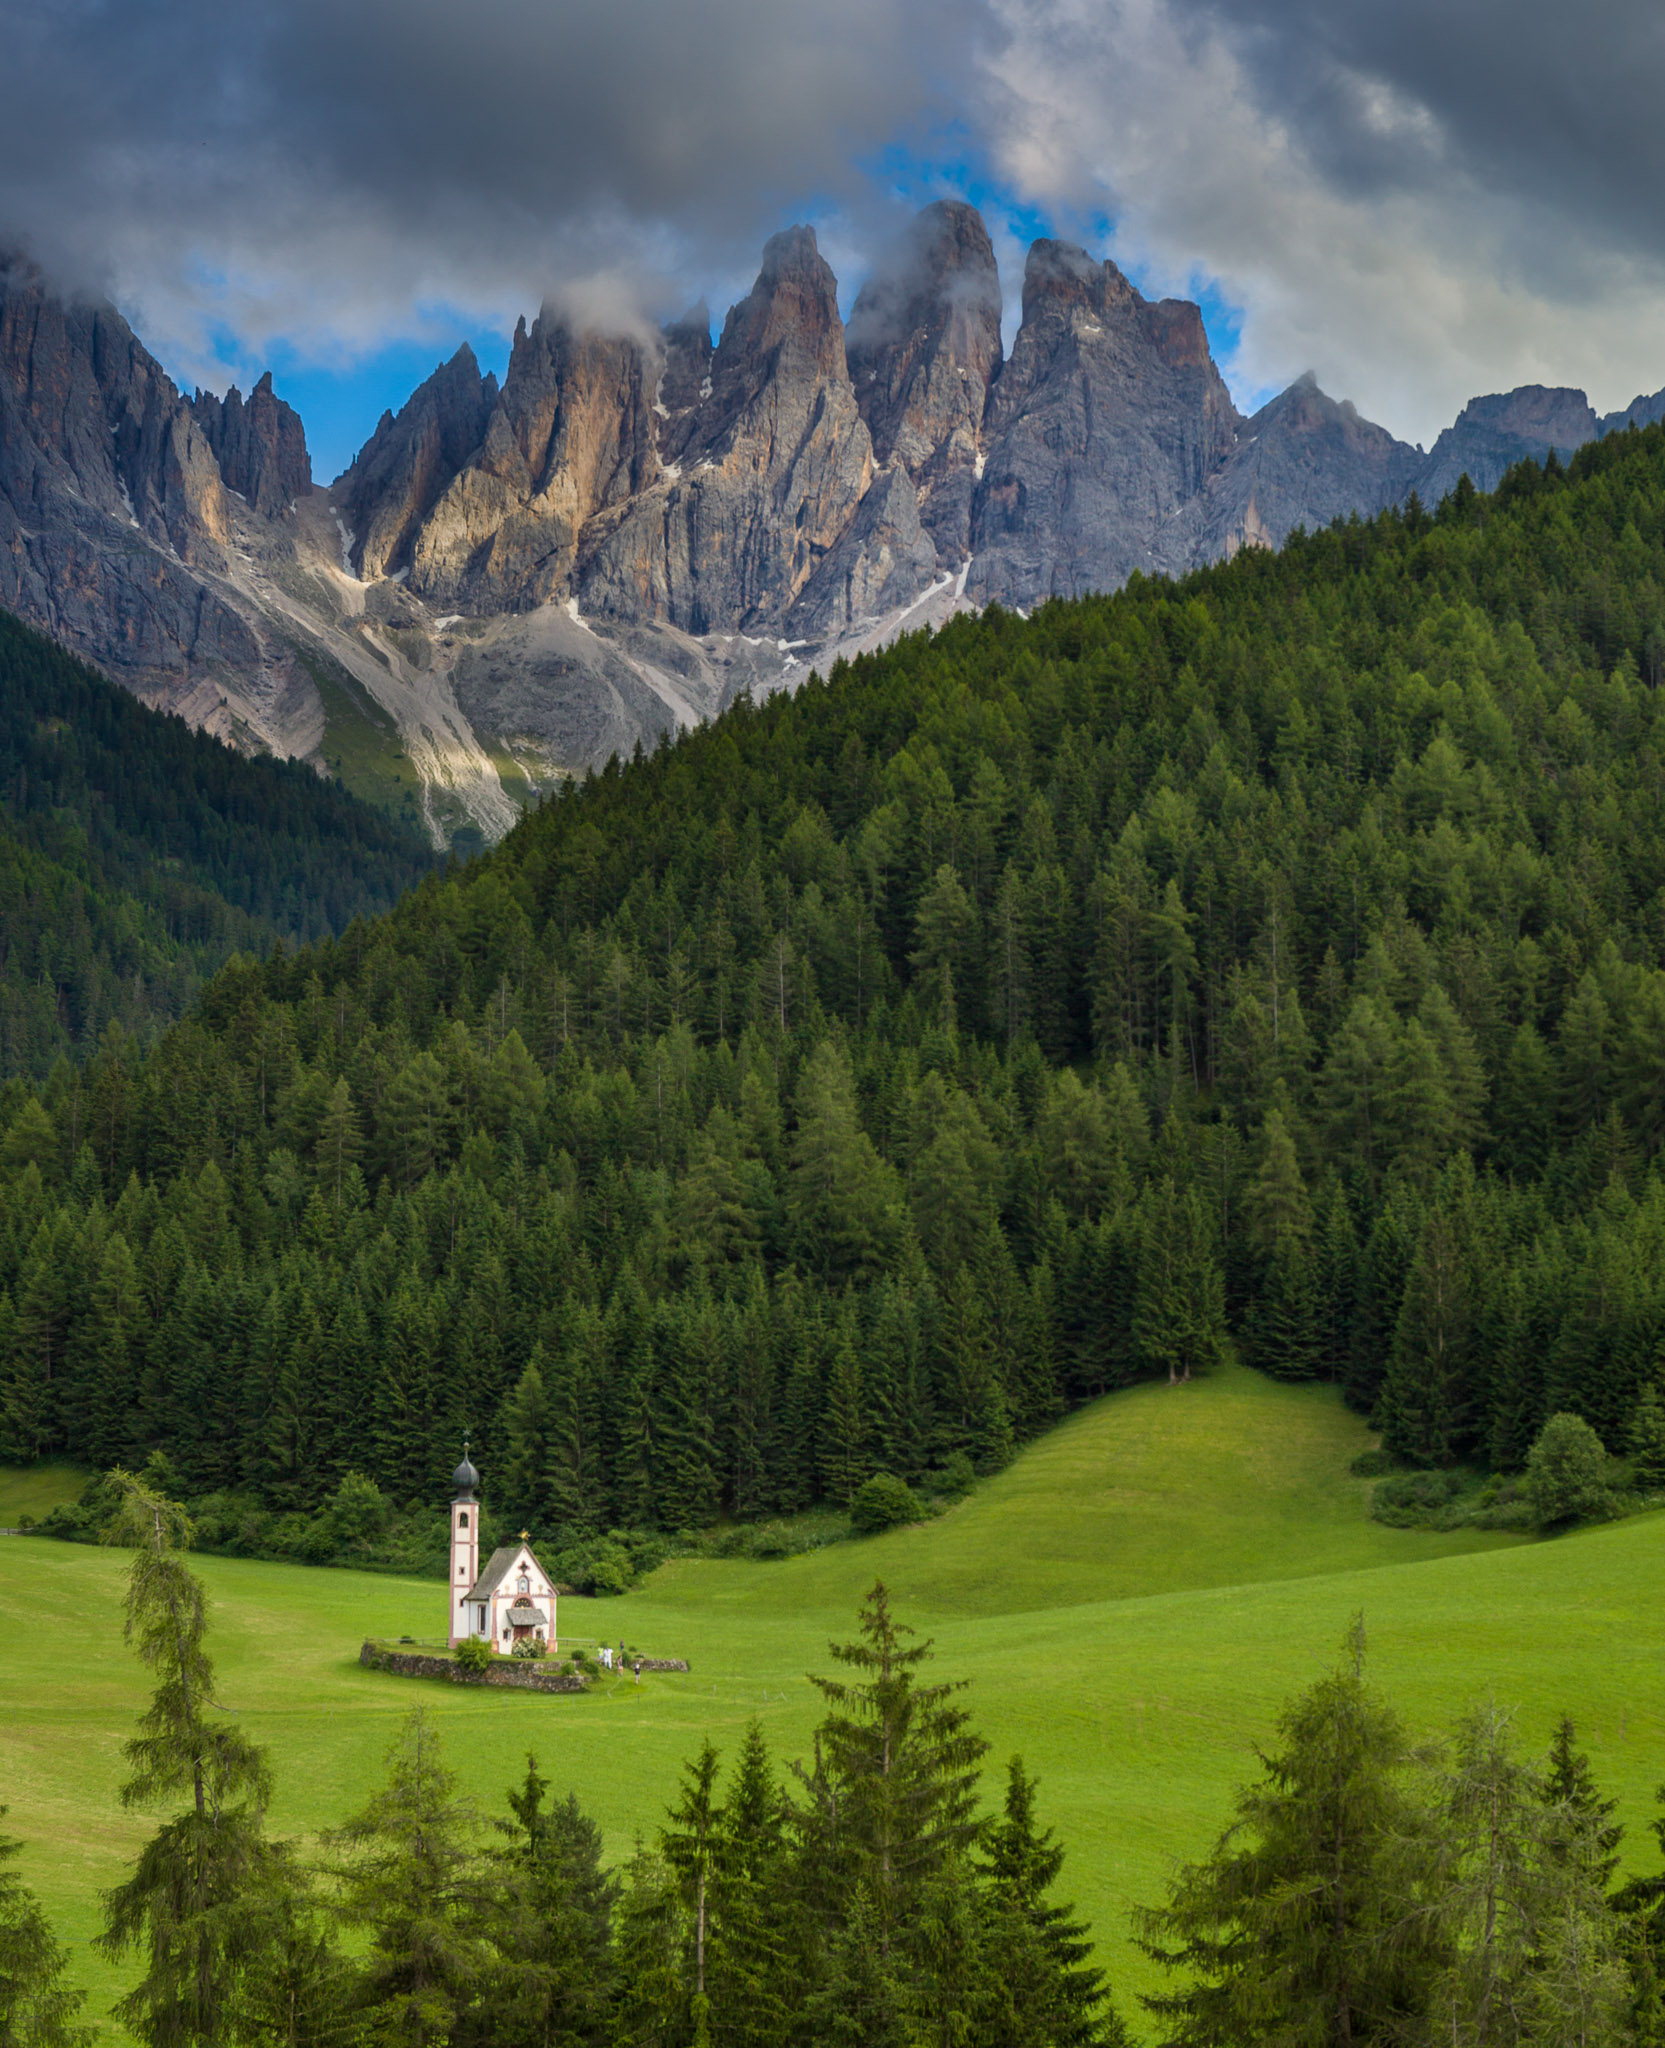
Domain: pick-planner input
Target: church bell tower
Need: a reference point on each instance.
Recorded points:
(465, 1547)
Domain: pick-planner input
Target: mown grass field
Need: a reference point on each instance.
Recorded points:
(35, 1490)
(1130, 1602)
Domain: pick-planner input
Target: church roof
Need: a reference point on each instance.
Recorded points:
(498, 1567)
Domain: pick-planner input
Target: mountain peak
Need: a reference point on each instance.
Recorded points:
(924, 348)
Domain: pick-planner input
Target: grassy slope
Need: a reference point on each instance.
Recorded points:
(1131, 1603)
(36, 1490)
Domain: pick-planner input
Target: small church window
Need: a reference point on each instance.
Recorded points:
(523, 1584)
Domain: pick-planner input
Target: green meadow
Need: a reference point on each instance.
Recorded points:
(1130, 1603)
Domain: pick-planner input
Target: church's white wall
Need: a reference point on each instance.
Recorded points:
(465, 1566)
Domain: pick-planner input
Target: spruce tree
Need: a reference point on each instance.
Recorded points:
(1584, 1829)
(1426, 1405)
(1309, 1922)
(1042, 1990)
(690, 1846)
(892, 1794)
(408, 1879)
(652, 1997)
(545, 1910)
(1647, 1438)
(751, 1977)
(841, 1434)
(525, 1429)
(37, 2008)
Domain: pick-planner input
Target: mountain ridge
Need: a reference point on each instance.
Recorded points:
(510, 582)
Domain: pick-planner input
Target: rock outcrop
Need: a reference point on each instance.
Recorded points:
(1642, 411)
(762, 476)
(1302, 460)
(407, 464)
(570, 435)
(111, 501)
(924, 347)
(1109, 418)
(259, 445)
(1491, 434)
(880, 563)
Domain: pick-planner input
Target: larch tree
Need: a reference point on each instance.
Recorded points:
(200, 1903)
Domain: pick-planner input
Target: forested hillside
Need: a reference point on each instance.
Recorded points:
(137, 855)
(1272, 959)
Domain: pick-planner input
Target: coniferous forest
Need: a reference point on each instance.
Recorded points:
(136, 856)
(1274, 960)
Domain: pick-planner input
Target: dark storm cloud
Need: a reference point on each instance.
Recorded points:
(1417, 198)
(308, 165)
(1552, 107)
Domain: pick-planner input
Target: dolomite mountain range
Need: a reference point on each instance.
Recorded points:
(511, 583)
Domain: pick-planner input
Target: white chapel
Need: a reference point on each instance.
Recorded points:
(513, 1599)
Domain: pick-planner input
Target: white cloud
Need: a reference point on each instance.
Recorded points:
(1405, 286)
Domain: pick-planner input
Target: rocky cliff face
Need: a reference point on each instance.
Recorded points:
(401, 472)
(259, 446)
(112, 505)
(763, 475)
(1109, 418)
(924, 348)
(570, 435)
(1491, 434)
(1642, 411)
(1302, 460)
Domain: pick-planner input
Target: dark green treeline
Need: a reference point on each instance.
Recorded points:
(137, 855)
(1270, 959)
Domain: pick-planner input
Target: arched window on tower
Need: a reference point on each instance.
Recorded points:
(462, 1519)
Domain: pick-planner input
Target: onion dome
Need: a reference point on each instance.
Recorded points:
(465, 1479)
